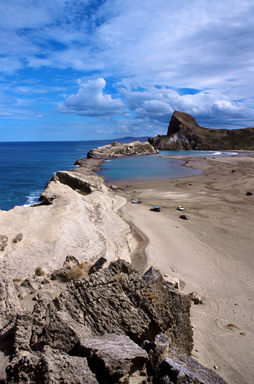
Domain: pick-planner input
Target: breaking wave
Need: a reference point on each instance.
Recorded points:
(32, 198)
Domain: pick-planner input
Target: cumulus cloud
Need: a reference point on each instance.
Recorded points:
(208, 107)
(90, 100)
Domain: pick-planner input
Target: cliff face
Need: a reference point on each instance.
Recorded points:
(185, 133)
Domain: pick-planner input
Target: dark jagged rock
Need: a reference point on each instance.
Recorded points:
(49, 367)
(185, 133)
(9, 302)
(152, 275)
(97, 265)
(98, 329)
(113, 300)
(115, 358)
(173, 367)
(183, 369)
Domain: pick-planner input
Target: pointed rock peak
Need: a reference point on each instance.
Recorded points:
(179, 121)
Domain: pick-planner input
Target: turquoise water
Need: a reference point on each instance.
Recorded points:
(152, 167)
(140, 168)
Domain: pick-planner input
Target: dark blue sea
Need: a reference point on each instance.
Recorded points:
(26, 167)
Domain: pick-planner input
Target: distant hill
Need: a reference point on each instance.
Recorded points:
(128, 139)
(185, 133)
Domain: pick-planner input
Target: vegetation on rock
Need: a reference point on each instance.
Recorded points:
(185, 133)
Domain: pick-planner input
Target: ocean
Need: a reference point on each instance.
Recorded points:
(26, 167)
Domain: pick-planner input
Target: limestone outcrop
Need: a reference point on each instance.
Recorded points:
(76, 217)
(184, 133)
(117, 149)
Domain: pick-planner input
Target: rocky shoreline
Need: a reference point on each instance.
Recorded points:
(73, 308)
(117, 149)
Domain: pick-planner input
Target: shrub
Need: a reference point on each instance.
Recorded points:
(78, 272)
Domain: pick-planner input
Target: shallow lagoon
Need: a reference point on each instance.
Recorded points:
(140, 168)
(152, 167)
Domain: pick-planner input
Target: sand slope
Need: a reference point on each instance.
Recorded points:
(212, 253)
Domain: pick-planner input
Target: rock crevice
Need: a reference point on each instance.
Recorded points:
(112, 326)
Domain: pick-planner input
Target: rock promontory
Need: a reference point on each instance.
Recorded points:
(117, 149)
(184, 133)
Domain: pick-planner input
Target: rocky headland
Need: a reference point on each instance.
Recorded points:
(117, 149)
(72, 307)
(184, 133)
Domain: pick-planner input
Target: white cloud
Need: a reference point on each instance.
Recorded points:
(90, 100)
(208, 107)
(179, 44)
(196, 44)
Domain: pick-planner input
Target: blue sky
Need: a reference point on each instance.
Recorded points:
(101, 69)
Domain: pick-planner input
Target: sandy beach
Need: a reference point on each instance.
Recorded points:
(212, 253)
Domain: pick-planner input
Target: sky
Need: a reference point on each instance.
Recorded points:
(102, 69)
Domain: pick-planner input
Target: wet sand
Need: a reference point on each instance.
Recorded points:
(212, 253)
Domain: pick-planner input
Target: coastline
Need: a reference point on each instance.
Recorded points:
(212, 253)
(81, 216)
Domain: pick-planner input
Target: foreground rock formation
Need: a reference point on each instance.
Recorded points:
(117, 149)
(72, 307)
(109, 327)
(185, 133)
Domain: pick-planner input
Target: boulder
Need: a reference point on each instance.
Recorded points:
(172, 280)
(182, 369)
(97, 265)
(196, 297)
(115, 358)
(152, 275)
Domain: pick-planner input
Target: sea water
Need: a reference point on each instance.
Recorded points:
(26, 167)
